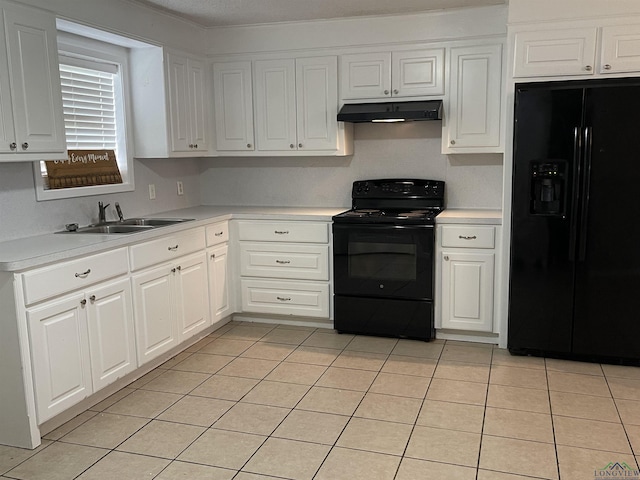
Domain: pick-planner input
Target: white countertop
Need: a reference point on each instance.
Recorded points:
(470, 216)
(30, 252)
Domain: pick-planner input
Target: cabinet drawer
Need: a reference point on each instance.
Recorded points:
(285, 298)
(65, 277)
(306, 232)
(217, 233)
(306, 262)
(167, 248)
(467, 236)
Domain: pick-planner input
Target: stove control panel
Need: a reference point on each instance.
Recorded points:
(395, 188)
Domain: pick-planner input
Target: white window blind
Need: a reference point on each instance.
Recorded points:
(89, 104)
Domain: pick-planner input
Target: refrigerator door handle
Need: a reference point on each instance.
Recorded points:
(586, 186)
(573, 220)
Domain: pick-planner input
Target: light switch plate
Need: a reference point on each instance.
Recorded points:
(180, 188)
(152, 191)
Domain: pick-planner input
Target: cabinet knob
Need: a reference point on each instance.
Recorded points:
(191, 145)
(25, 145)
(173, 270)
(195, 145)
(452, 142)
(299, 145)
(248, 145)
(92, 298)
(588, 68)
(396, 91)
(178, 268)
(292, 146)
(446, 257)
(13, 145)
(213, 255)
(83, 302)
(607, 67)
(386, 92)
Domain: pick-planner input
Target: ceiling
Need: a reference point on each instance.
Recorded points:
(215, 13)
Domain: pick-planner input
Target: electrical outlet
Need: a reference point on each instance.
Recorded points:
(152, 191)
(180, 188)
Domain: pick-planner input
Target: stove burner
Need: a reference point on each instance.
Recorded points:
(364, 212)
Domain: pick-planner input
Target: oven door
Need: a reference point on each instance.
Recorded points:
(383, 261)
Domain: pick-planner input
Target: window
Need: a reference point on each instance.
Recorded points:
(93, 77)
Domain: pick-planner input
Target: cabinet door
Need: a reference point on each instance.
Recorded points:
(365, 75)
(219, 283)
(620, 49)
(417, 73)
(154, 306)
(317, 103)
(198, 121)
(473, 120)
(37, 96)
(60, 355)
(569, 51)
(7, 134)
(192, 295)
(177, 79)
(275, 104)
(111, 332)
(467, 291)
(233, 102)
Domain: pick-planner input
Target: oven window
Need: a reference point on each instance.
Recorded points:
(381, 260)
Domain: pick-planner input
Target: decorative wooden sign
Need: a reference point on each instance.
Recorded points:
(84, 168)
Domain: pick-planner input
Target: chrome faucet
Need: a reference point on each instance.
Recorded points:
(119, 210)
(102, 212)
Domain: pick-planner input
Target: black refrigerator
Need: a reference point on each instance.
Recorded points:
(575, 241)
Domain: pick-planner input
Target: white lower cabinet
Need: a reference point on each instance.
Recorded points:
(466, 266)
(219, 282)
(467, 291)
(171, 304)
(284, 268)
(79, 344)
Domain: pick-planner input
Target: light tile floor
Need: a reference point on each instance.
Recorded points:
(255, 401)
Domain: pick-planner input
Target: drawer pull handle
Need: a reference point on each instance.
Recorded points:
(173, 249)
(218, 234)
(464, 237)
(83, 302)
(92, 298)
(284, 299)
(83, 274)
(283, 262)
(281, 232)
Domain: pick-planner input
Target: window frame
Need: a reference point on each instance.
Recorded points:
(94, 51)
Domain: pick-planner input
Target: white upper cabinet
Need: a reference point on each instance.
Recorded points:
(187, 104)
(233, 103)
(569, 50)
(472, 121)
(412, 73)
(317, 103)
(275, 87)
(293, 102)
(31, 121)
(620, 49)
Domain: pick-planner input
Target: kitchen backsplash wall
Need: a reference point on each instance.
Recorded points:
(21, 215)
(380, 151)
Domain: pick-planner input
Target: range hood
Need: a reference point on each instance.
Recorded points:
(391, 111)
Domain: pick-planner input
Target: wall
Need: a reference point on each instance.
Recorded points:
(21, 215)
(380, 151)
